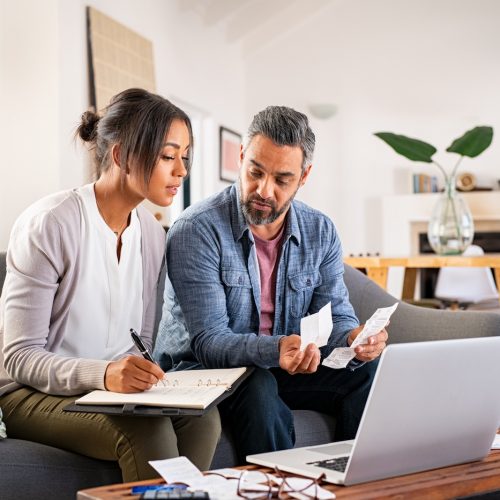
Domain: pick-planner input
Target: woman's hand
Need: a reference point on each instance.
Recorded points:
(132, 374)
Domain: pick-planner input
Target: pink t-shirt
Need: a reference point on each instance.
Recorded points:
(267, 254)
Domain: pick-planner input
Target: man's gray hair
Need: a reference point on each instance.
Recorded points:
(285, 127)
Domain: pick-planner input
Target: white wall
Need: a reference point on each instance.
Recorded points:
(43, 68)
(29, 101)
(427, 69)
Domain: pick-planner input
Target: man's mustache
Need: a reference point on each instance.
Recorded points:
(260, 200)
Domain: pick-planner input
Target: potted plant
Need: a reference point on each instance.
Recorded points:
(451, 228)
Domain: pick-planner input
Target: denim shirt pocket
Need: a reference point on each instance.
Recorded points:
(302, 287)
(238, 290)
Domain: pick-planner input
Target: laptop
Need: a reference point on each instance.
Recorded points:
(431, 404)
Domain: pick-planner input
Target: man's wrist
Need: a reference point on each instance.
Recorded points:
(281, 345)
(280, 341)
(348, 339)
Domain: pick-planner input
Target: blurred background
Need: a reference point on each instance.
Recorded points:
(424, 68)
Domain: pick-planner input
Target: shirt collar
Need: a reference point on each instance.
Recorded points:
(240, 225)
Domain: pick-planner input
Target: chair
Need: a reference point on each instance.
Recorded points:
(461, 287)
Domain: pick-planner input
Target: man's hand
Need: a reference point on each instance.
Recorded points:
(293, 360)
(132, 374)
(373, 347)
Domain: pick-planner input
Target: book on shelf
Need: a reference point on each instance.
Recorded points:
(423, 183)
(187, 392)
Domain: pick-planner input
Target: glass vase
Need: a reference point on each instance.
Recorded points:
(451, 228)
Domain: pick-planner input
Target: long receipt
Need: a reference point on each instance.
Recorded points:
(340, 357)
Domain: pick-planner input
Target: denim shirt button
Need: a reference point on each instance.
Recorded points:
(308, 282)
(240, 280)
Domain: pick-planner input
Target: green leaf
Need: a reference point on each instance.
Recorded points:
(473, 142)
(413, 149)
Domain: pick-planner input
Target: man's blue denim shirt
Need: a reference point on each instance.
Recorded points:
(213, 268)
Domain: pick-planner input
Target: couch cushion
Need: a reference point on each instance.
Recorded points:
(33, 470)
(311, 428)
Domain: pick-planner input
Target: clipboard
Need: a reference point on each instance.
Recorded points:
(138, 410)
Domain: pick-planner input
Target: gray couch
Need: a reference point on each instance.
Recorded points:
(31, 470)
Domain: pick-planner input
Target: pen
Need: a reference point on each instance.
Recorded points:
(142, 348)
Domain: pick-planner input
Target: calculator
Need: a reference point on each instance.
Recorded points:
(175, 494)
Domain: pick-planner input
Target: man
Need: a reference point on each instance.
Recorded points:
(246, 265)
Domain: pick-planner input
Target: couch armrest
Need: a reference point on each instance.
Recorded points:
(411, 323)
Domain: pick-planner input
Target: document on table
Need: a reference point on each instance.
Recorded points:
(177, 470)
(316, 328)
(340, 357)
(222, 484)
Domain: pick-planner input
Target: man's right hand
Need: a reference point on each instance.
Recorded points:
(293, 360)
(132, 374)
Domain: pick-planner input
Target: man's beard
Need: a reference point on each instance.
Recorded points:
(257, 217)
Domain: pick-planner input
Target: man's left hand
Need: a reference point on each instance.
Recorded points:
(374, 346)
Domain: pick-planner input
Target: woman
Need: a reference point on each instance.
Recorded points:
(82, 269)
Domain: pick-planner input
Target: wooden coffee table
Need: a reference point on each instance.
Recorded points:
(449, 482)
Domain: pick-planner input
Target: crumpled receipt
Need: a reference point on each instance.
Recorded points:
(340, 357)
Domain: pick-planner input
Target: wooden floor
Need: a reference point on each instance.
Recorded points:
(447, 483)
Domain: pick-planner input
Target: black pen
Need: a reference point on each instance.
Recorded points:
(142, 348)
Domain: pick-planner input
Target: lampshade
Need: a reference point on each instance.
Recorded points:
(322, 111)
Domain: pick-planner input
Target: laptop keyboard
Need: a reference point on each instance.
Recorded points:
(338, 464)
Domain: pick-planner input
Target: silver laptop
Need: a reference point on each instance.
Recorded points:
(432, 404)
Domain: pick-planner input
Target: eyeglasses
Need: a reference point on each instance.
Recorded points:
(257, 485)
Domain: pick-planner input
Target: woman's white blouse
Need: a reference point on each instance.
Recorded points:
(108, 298)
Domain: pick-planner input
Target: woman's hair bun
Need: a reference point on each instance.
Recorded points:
(87, 130)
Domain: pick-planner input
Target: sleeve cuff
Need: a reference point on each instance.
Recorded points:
(269, 350)
(91, 375)
(354, 364)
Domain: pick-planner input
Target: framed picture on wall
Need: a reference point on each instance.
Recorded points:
(229, 151)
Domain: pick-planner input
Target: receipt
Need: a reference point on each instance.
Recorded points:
(316, 328)
(340, 357)
(179, 469)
